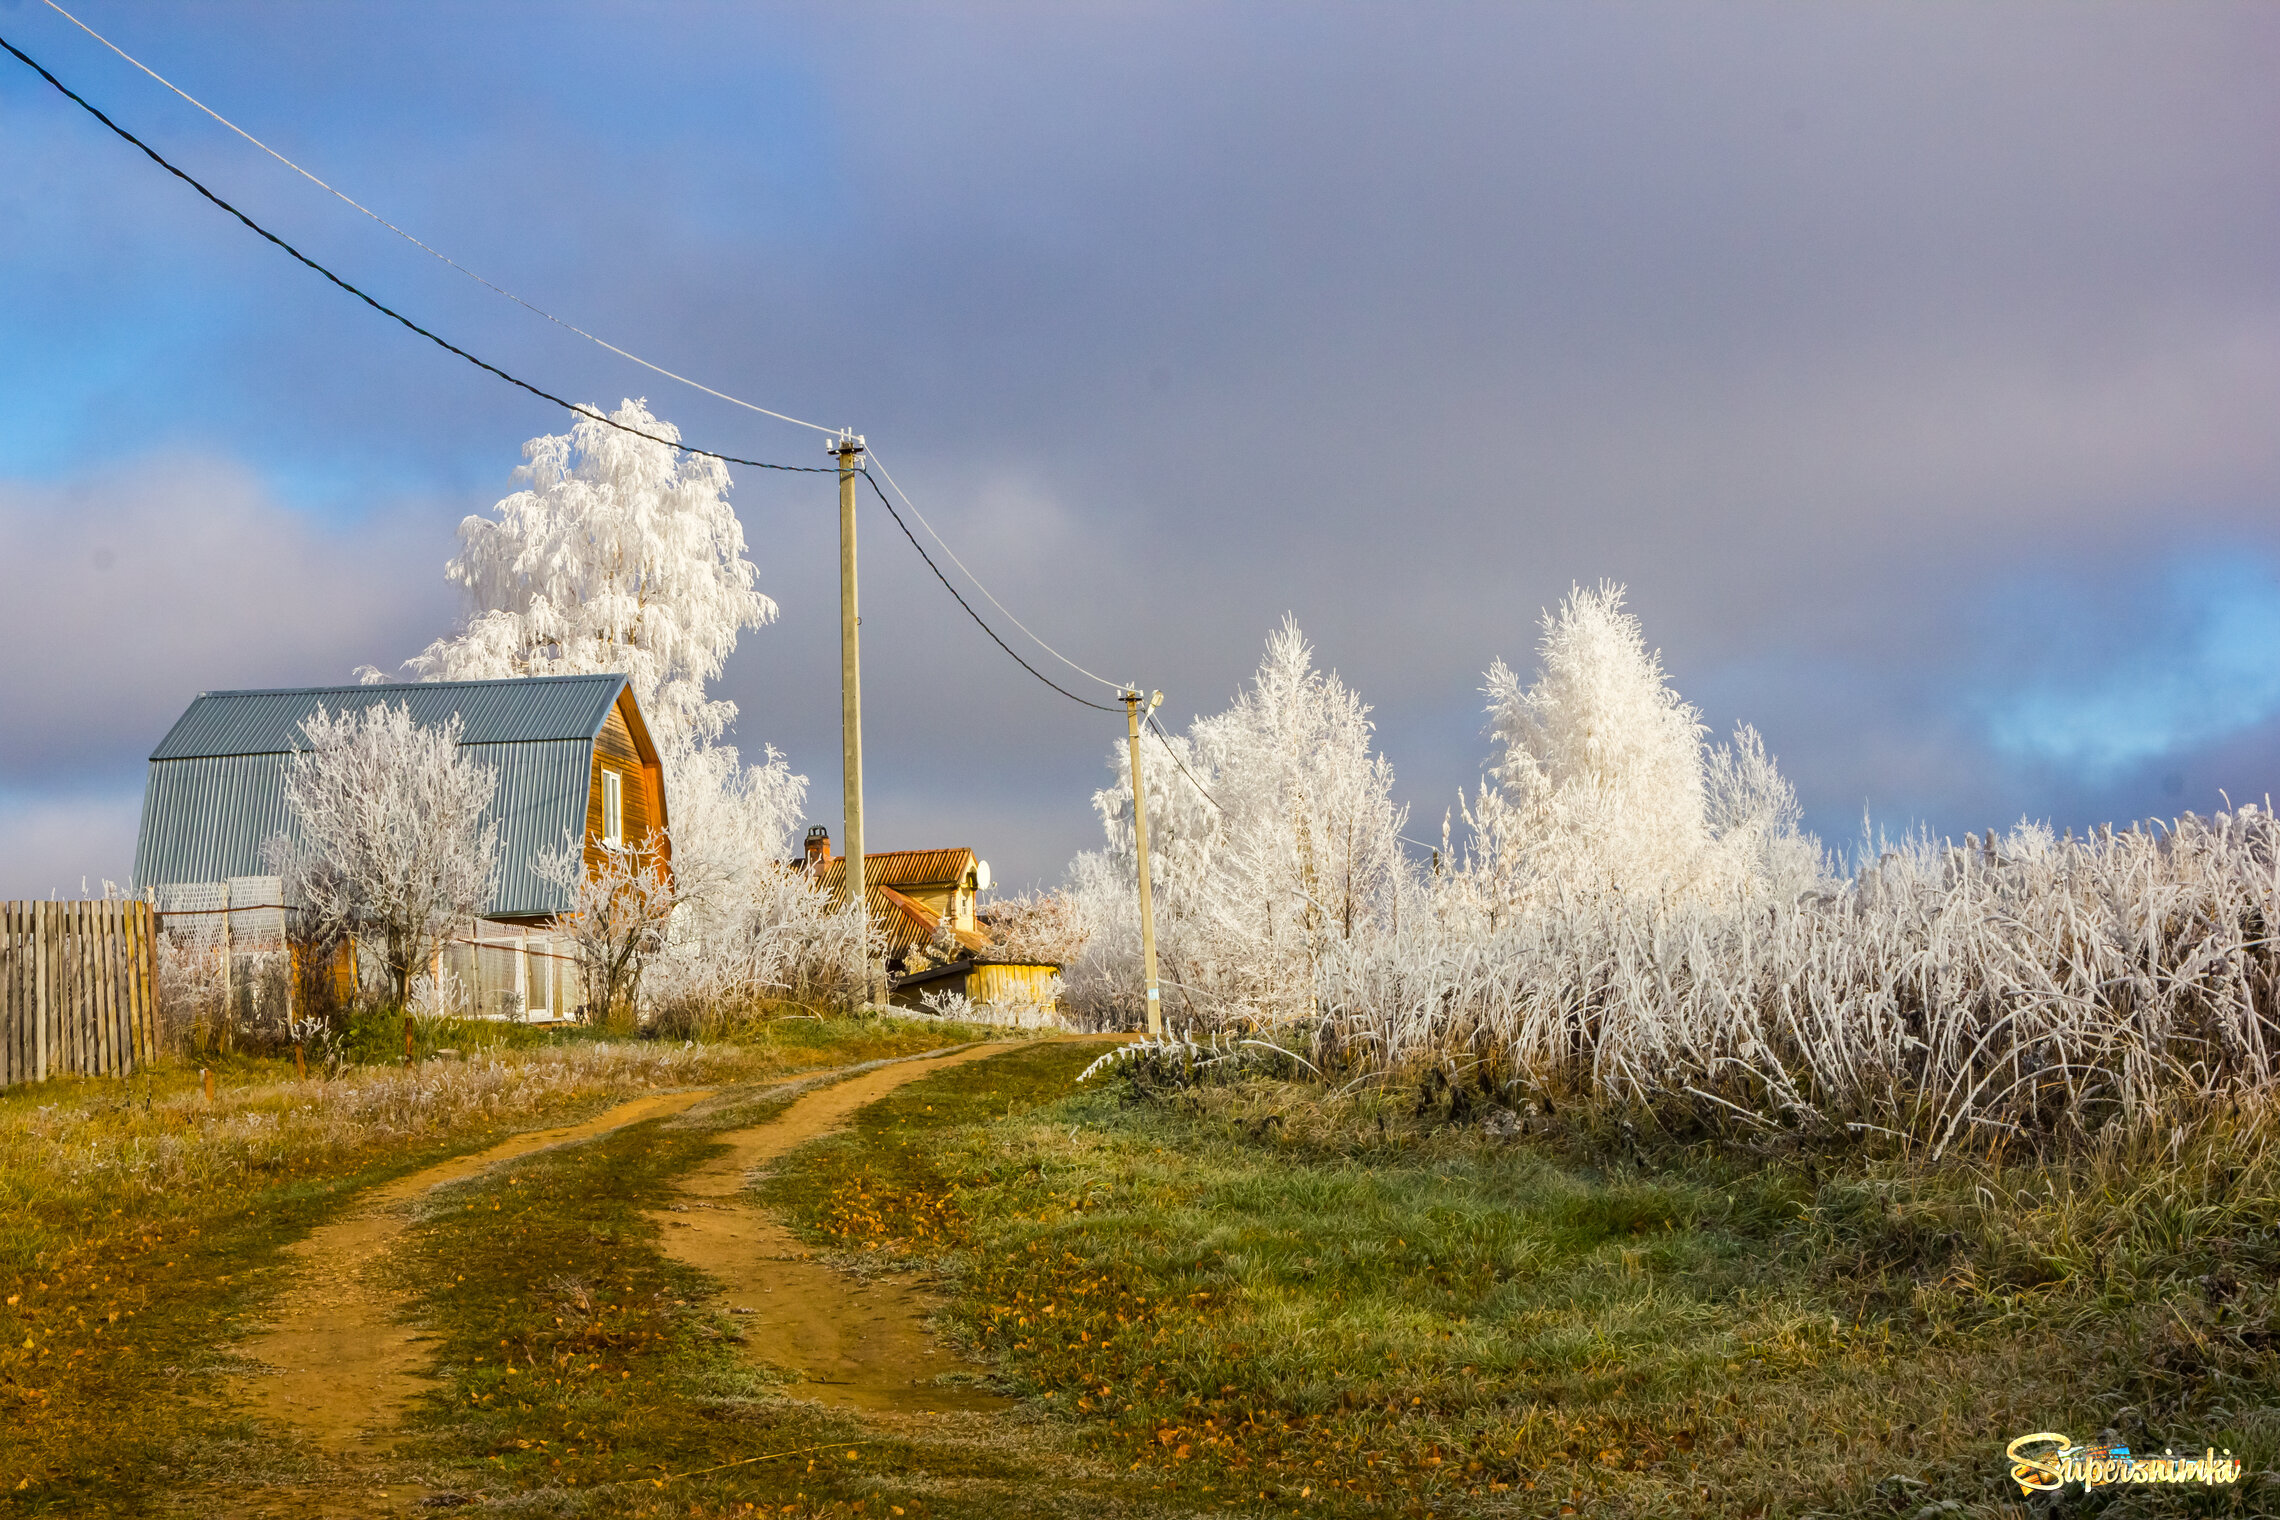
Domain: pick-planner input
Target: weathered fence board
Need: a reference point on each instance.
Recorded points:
(78, 989)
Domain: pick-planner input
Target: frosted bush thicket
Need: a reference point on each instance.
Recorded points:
(1637, 927)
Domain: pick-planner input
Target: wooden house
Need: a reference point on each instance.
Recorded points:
(923, 901)
(574, 761)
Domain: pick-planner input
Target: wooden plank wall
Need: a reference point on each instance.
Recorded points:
(78, 989)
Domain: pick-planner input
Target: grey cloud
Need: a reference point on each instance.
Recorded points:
(136, 588)
(1815, 326)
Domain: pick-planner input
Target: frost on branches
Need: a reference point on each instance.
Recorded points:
(1639, 929)
(1278, 839)
(618, 913)
(390, 842)
(1600, 782)
(625, 555)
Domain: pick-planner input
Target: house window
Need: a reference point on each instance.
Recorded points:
(613, 808)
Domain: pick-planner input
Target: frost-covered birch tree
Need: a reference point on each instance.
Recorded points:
(624, 554)
(390, 841)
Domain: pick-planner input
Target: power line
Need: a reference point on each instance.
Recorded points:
(567, 326)
(977, 580)
(346, 199)
(388, 311)
(584, 411)
(1165, 740)
(970, 612)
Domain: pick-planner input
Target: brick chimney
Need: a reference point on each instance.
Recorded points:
(818, 845)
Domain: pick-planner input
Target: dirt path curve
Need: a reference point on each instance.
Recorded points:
(862, 1345)
(345, 1365)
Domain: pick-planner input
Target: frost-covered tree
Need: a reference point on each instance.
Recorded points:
(1272, 833)
(390, 841)
(746, 921)
(618, 913)
(1600, 780)
(623, 554)
(1597, 767)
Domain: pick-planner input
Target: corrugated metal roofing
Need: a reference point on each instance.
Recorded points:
(513, 711)
(216, 794)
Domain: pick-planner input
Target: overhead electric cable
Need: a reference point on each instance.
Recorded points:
(573, 327)
(388, 311)
(348, 200)
(571, 406)
(969, 606)
(977, 580)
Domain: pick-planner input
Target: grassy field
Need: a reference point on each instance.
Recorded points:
(1251, 1299)
(1243, 1299)
(141, 1225)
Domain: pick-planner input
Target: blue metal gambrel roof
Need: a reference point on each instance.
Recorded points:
(216, 794)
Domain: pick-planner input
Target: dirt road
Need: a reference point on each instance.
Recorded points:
(345, 1364)
(863, 1345)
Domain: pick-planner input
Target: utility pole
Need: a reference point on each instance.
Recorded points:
(847, 448)
(1140, 837)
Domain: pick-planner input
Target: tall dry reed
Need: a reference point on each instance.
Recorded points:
(2019, 987)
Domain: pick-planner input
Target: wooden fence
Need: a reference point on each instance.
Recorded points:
(78, 989)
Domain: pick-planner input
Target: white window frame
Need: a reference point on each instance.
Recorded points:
(613, 810)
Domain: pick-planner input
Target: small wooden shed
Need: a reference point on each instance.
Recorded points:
(998, 984)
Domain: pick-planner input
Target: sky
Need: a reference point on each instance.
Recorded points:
(1915, 366)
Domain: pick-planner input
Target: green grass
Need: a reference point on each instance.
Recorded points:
(580, 1371)
(141, 1228)
(1253, 1298)
(1246, 1299)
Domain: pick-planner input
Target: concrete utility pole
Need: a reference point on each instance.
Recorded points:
(847, 448)
(1140, 837)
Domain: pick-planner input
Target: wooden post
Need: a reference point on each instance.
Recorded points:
(11, 1017)
(229, 970)
(141, 958)
(847, 448)
(106, 947)
(1140, 839)
(43, 986)
(154, 1006)
(72, 1027)
(114, 984)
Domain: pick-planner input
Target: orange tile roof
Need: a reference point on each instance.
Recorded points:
(902, 868)
(909, 923)
(906, 922)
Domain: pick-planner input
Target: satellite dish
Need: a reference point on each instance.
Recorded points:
(982, 876)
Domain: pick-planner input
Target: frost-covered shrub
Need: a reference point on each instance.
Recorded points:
(390, 842)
